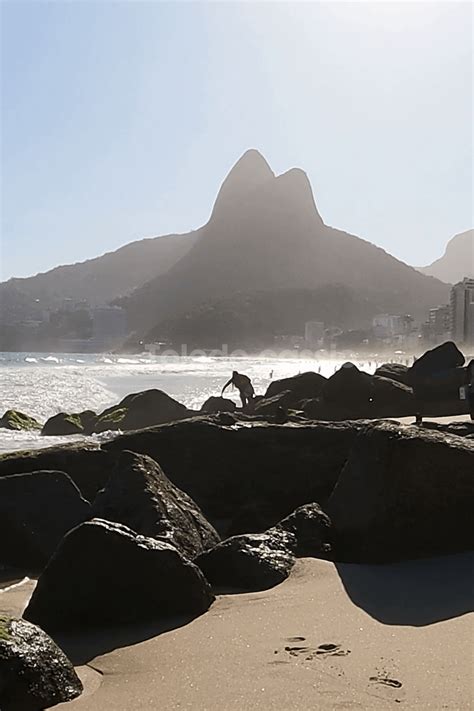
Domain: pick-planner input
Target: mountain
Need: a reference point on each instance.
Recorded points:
(99, 280)
(266, 234)
(457, 262)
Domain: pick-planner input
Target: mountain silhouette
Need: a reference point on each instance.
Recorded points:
(457, 261)
(265, 233)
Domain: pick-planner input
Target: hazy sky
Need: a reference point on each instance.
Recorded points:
(120, 120)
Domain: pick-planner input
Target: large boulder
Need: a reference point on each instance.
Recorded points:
(404, 493)
(394, 371)
(302, 387)
(69, 424)
(443, 357)
(104, 574)
(139, 410)
(250, 562)
(34, 673)
(218, 404)
(391, 398)
(36, 510)
(140, 496)
(88, 466)
(225, 468)
(270, 407)
(312, 529)
(16, 420)
(349, 386)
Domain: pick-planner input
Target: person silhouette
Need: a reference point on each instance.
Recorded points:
(244, 386)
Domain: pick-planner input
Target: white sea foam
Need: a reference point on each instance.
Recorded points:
(42, 386)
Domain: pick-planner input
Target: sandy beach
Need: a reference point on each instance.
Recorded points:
(333, 636)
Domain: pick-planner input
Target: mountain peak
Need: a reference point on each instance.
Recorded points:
(457, 261)
(250, 171)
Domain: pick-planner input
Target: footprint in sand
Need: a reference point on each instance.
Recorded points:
(309, 653)
(386, 681)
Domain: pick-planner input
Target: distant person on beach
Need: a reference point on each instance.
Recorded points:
(243, 385)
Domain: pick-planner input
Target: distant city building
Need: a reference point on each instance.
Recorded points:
(462, 312)
(438, 326)
(314, 333)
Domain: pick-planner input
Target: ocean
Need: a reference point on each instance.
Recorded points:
(42, 385)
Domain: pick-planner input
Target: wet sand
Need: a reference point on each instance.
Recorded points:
(333, 636)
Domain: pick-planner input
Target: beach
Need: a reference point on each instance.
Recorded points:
(332, 636)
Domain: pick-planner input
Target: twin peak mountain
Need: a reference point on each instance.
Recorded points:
(266, 234)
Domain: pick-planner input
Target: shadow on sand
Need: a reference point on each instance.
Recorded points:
(416, 592)
(82, 647)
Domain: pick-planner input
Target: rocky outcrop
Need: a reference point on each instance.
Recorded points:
(394, 371)
(104, 574)
(36, 510)
(139, 410)
(16, 420)
(225, 468)
(88, 466)
(302, 387)
(34, 673)
(250, 562)
(443, 357)
(70, 424)
(218, 404)
(404, 493)
(312, 530)
(348, 387)
(140, 496)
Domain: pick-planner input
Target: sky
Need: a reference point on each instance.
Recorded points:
(121, 119)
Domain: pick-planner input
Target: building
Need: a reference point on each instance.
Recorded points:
(438, 326)
(462, 312)
(314, 333)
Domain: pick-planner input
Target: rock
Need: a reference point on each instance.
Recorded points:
(88, 466)
(312, 530)
(139, 410)
(16, 420)
(218, 404)
(349, 387)
(391, 398)
(225, 468)
(394, 371)
(69, 424)
(36, 510)
(303, 386)
(272, 406)
(140, 496)
(460, 429)
(250, 562)
(443, 357)
(34, 673)
(404, 493)
(105, 574)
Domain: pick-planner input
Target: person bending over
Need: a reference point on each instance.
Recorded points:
(243, 385)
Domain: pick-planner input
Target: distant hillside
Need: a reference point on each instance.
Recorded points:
(253, 319)
(457, 262)
(265, 234)
(102, 279)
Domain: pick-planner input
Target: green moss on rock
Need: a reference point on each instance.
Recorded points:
(16, 420)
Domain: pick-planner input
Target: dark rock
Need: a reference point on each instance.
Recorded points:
(69, 424)
(394, 371)
(218, 404)
(404, 493)
(443, 357)
(460, 429)
(34, 673)
(250, 562)
(88, 466)
(224, 468)
(36, 510)
(391, 398)
(312, 530)
(349, 387)
(302, 386)
(16, 420)
(272, 406)
(139, 410)
(105, 574)
(140, 496)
